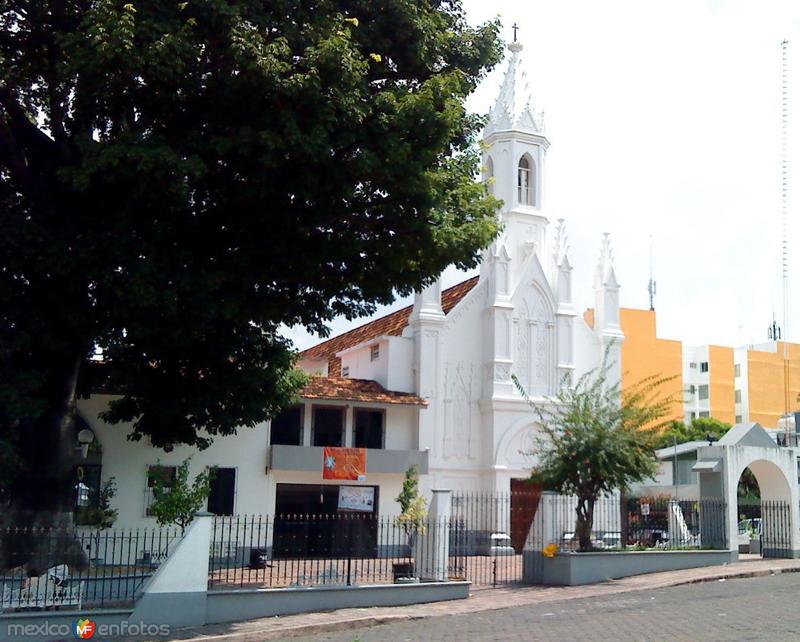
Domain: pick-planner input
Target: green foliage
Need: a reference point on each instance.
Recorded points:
(178, 180)
(103, 516)
(413, 506)
(178, 501)
(596, 439)
(698, 430)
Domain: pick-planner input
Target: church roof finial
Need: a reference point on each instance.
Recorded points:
(513, 108)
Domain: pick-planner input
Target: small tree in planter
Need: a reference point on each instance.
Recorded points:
(597, 439)
(413, 511)
(177, 502)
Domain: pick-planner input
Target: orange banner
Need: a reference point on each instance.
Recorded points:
(344, 463)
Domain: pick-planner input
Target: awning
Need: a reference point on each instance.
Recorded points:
(708, 466)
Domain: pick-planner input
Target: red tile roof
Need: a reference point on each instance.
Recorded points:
(345, 389)
(392, 324)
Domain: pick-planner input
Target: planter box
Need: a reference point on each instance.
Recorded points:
(572, 569)
(755, 546)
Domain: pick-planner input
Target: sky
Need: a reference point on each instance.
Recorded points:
(664, 124)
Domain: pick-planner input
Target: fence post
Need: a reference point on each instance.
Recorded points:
(176, 593)
(433, 546)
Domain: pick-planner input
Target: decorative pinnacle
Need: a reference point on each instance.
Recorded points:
(560, 247)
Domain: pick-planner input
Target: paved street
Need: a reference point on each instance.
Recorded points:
(763, 608)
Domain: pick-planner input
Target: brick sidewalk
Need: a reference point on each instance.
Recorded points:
(482, 600)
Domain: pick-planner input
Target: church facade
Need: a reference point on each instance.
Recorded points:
(428, 386)
(458, 349)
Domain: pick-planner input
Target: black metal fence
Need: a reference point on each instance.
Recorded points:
(775, 529)
(671, 523)
(72, 567)
(307, 550)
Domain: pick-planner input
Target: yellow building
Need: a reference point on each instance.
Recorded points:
(730, 384)
(764, 374)
(645, 355)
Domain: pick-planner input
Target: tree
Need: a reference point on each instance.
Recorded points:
(677, 432)
(180, 179)
(413, 506)
(103, 515)
(177, 501)
(596, 439)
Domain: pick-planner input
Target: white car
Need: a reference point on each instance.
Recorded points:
(749, 528)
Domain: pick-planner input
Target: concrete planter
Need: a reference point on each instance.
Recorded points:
(572, 569)
(755, 546)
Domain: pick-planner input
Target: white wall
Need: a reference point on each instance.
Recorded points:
(127, 462)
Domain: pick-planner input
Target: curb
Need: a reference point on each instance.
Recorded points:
(377, 620)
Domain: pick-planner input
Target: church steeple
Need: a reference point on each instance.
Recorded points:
(513, 109)
(513, 161)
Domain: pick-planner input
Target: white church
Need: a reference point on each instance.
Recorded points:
(427, 386)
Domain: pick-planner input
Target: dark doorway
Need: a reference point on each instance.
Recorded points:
(524, 502)
(310, 524)
(222, 491)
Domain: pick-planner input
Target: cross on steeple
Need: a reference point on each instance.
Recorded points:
(514, 27)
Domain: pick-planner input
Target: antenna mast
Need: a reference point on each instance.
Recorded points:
(651, 284)
(785, 223)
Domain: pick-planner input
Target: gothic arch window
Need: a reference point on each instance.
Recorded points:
(489, 175)
(526, 181)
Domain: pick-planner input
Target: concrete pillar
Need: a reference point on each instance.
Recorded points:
(433, 546)
(176, 593)
(543, 531)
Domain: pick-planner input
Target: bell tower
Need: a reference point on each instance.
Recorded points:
(514, 147)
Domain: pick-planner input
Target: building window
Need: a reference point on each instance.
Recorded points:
(489, 175)
(86, 489)
(693, 365)
(374, 352)
(704, 414)
(692, 389)
(737, 370)
(328, 428)
(286, 429)
(737, 396)
(368, 428)
(526, 182)
(704, 366)
(738, 419)
(222, 491)
(702, 391)
(165, 475)
(345, 371)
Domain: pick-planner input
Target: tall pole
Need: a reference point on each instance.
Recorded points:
(784, 227)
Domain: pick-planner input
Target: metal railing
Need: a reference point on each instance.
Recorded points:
(74, 567)
(309, 550)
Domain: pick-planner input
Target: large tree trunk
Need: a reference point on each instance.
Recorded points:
(584, 522)
(48, 450)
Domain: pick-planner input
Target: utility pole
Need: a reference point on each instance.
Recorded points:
(784, 227)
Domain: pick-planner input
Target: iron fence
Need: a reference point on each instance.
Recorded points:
(776, 529)
(488, 534)
(309, 550)
(74, 567)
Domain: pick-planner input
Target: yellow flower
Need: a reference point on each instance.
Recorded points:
(375, 57)
(550, 550)
(352, 21)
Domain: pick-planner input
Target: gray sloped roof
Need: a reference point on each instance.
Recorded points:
(747, 434)
(680, 449)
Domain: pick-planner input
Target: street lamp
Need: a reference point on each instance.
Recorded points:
(85, 438)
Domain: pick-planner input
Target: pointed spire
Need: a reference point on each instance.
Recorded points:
(513, 108)
(560, 247)
(605, 266)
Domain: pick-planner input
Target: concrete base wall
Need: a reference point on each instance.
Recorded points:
(38, 626)
(572, 569)
(244, 604)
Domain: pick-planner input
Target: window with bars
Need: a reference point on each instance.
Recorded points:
(164, 474)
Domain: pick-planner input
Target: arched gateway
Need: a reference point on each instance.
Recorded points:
(719, 467)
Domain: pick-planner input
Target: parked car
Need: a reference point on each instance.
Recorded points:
(750, 528)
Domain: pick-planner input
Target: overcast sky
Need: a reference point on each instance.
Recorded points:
(664, 120)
